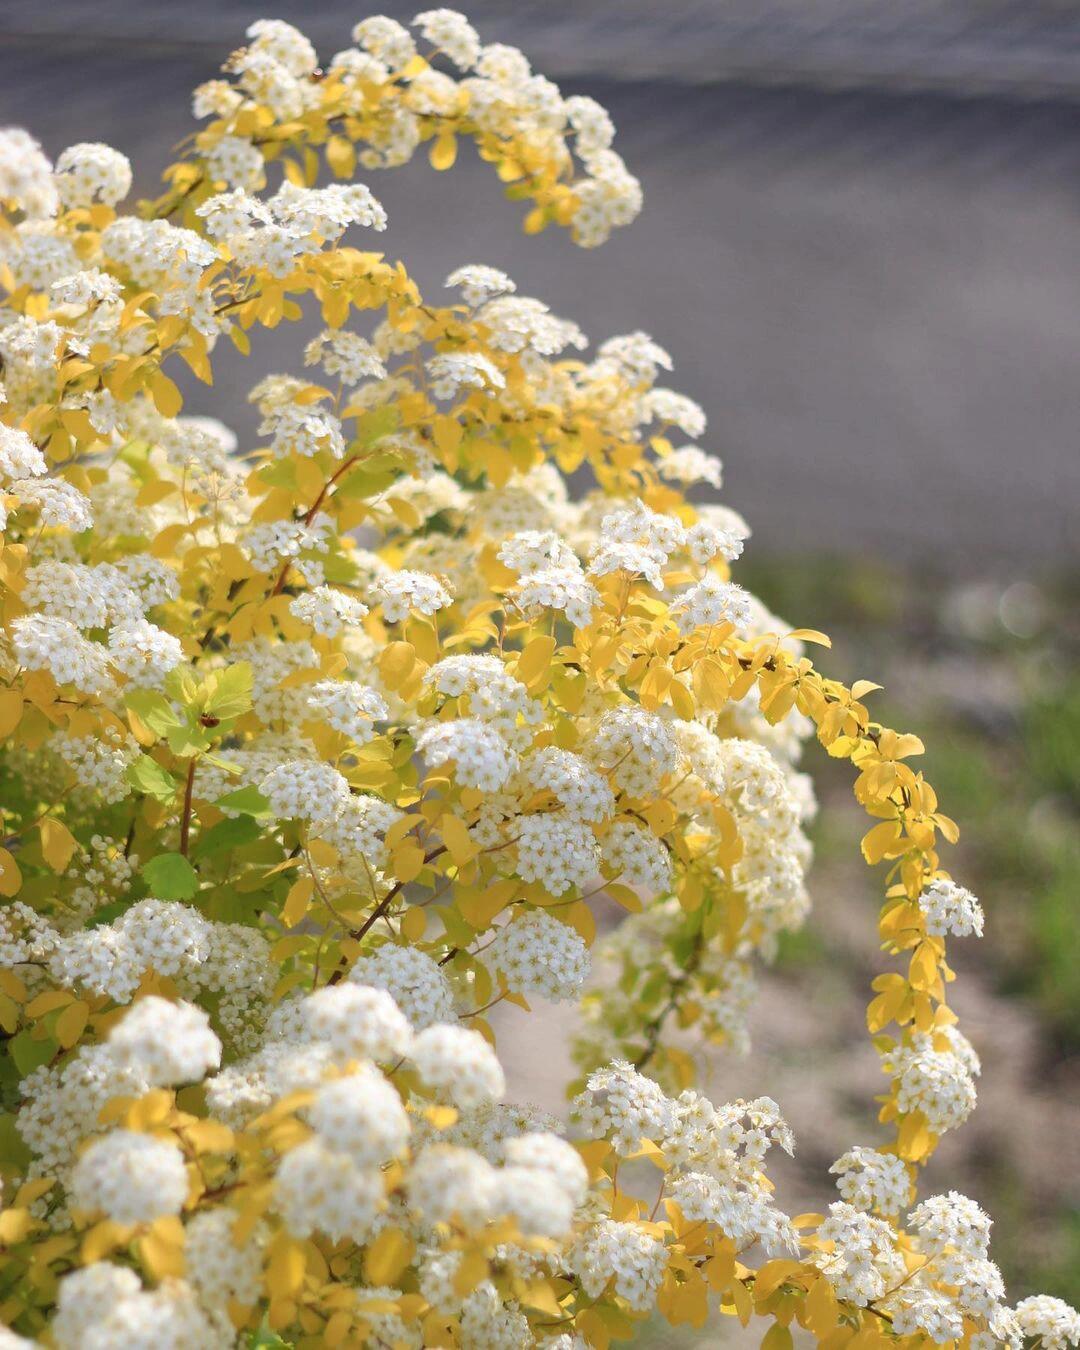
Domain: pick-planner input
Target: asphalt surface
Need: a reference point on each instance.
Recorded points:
(873, 289)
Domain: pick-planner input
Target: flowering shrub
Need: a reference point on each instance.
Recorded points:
(314, 753)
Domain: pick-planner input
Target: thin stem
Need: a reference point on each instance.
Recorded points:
(185, 819)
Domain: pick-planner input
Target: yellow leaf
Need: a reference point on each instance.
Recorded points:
(10, 876)
(480, 907)
(153, 493)
(913, 1140)
(57, 843)
(542, 1297)
(388, 1256)
(208, 1136)
(11, 708)
(441, 1117)
(811, 635)
(772, 1275)
(161, 1254)
(34, 1190)
(923, 970)
(472, 1269)
(151, 1109)
(14, 1225)
(102, 1239)
(285, 1274)
(297, 901)
(396, 663)
(457, 839)
(443, 151)
(341, 156)
(167, 398)
(535, 659)
(407, 861)
(47, 1002)
(414, 923)
(71, 1023)
(822, 1313)
(625, 896)
(880, 841)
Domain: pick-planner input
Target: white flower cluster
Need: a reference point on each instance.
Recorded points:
(275, 233)
(26, 176)
(131, 1178)
(1049, 1320)
(711, 601)
(296, 429)
(634, 856)
(157, 1043)
(327, 610)
(400, 593)
(305, 789)
(571, 780)
(478, 283)
(104, 1306)
(348, 707)
(950, 909)
(451, 372)
(165, 1043)
(347, 355)
(869, 1180)
(935, 1074)
(57, 646)
(536, 954)
(556, 850)
(623, 1255)
(359, 1021)
(622, 1105)
(412, 979)
(165, 937)
(91, 172)
(480, 756)
(636, 748)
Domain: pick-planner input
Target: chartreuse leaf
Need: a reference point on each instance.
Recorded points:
(227, 834)
(154, 710)
(247, 799)
(147, 775)
(29, 1054)
(227, 693)
(170, 877)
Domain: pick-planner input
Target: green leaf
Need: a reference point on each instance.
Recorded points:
(265, 1339)
(12, 1147)
(180, 684)
(188, 740)
(28, 1053)
(282, 473)
(227, 834)
(374, 425)
(228, 692)
(147, 775)
(360, 483)
(153, 709)
(170, 877)
(247, 799)
(228, 765)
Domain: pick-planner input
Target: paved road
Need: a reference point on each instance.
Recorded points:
(875, 293)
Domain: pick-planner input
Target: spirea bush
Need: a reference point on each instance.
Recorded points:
(316, 751)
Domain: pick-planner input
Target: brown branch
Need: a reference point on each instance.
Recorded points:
(185, 819)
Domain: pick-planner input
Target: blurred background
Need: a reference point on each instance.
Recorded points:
(861, 243)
